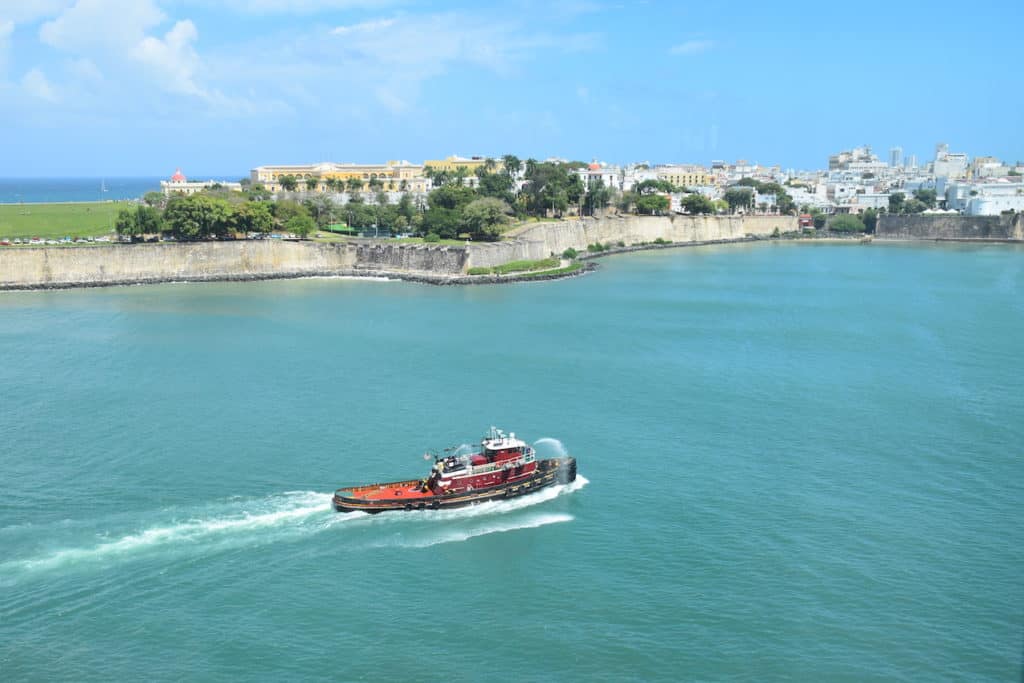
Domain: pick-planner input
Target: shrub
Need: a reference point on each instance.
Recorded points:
(479, 270)
(570, 253)
(595, 247)
(775, 232)
(621, 243)
(432, 237)
(846, 223)
(661, 240)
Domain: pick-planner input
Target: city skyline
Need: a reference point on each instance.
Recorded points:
(109, 87)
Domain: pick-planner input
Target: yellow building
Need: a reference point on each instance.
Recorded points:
(452, 163)
(393, 176)
(685, 176)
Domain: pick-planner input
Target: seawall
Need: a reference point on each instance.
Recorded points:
(60, 267)
(544, 239)
(57, 267)
(1006, 227)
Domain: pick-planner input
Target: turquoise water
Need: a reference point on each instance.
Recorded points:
(34, 190)
(797, 462)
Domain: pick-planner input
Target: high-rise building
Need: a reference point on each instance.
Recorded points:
(896, 157)
(911, 161)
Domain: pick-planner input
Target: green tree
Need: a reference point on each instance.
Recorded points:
(650, 186)
(441, 221)
(598, 196)
(739, 198)
(198, 216)
(451, 197)
(258, 192)
(497, 185)
(300, 225)
(652, 204)
(510, 165)
(153, 198)
(550, 187)
(321, 208)
(354, 185)
(926, 196)
(255, 217)
(127, 223)
(870, 219)
(914, 205)
(288, 183)
(285, 209)
(406, 207)
(483, 218)
(697, 204)
(896, 200)
(846, 223)
(819, 220)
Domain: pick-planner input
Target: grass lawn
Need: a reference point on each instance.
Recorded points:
(53, 221)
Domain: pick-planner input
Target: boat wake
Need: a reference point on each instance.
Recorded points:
(291, 516)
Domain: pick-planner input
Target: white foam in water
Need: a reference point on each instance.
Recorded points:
(457, 535)
(295, 513)
(290, 509)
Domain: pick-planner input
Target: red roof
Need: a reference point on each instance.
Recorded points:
(177, 177)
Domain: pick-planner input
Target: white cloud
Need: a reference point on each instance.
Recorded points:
(35, 83)
(6, 29)
(172, 60)
(84, 70)
(103, 24)
(692, 47)
(364, 27)
(300, 6)
(27, 11)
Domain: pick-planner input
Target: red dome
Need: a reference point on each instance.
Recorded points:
(177, 177)
(595, 166)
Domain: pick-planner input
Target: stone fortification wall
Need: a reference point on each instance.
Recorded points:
(544, 239)
(951, 227)
(243, 260)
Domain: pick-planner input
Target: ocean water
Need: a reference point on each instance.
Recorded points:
(36, 190)
(798, 462)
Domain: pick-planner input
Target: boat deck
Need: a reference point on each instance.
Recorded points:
(395, 490)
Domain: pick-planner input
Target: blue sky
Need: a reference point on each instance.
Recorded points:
(139, 87)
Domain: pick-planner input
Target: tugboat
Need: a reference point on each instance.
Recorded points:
(503, 467)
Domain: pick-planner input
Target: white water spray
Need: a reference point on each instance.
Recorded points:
(554, 444)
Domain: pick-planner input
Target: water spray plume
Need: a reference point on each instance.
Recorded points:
(554, 443)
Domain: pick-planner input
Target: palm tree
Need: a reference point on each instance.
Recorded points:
(288, 183)
(311, 184)
(354, 185)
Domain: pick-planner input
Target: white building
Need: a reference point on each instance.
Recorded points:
(611, 176)
(180, 184)
(985, 199)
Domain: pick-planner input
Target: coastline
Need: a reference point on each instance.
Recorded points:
(32, 268)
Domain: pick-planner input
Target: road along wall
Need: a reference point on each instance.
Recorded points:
(544, 239)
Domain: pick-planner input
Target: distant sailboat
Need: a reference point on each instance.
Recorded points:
(103, 185)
